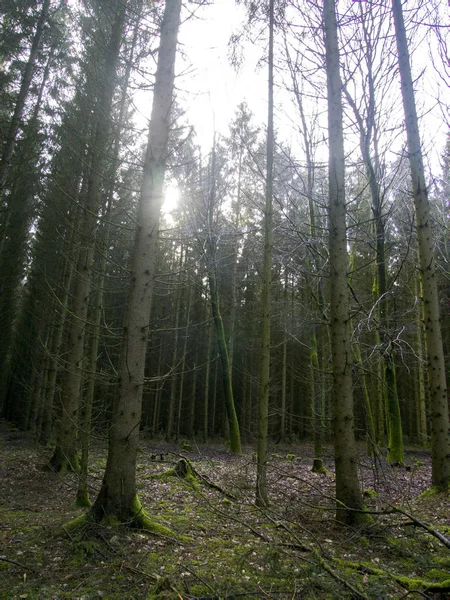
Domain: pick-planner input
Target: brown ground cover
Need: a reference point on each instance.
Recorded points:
(222, 545)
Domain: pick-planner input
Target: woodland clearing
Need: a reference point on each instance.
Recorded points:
(222, 545)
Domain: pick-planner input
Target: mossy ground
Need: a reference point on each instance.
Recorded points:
(218, 548)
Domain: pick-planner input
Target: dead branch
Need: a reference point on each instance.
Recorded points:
(18, 564)
(439, 536)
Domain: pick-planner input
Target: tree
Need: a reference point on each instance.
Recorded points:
(262, 498)
(13, 129)
(117, 496)
(427, 265)
(348, 494)
(210, 255)
(367, 117)
(65, 453)
(82, 498)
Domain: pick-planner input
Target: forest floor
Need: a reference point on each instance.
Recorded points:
(222, 545)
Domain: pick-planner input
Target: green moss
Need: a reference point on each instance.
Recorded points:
(415, 583)
(82, 551)
(359, 566)
(437, 574)
(184, 474)
(142, 520)
(186, 446)
(15, 514)
(443, 561)
(77, 523)
(82, 499)
(163, 589)
(164, 475)
(318, 467)
(364, 542)
(433, 491)
(442, 582)
(370, 493)
(111, 521)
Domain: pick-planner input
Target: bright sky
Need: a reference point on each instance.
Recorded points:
(213, 89)
(209, 88)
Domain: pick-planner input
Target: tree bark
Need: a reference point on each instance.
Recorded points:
(13, 130)
(235, 436)
(427, 267)
(348, 495)
(117, 497)
(227, 383)
(174, 382)
(262, 498)
(65, 454)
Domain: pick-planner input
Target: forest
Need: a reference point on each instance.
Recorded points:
(224, 363)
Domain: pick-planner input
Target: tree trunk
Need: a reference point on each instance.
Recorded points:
(117, 497)
(65, 454)
(435, 353)
(421, 398)
(235, 436)
(348, 495)
(183, 360)
(262, 497)
(82, 498)
(13, 130)
(368, 136)
(227, 383)
(192, 401)
(174, 382)
(207, 383)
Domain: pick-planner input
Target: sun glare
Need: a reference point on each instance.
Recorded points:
(171, 197)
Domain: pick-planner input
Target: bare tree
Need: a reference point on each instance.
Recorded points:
(117, 496)
(348, 494)
(427, 267)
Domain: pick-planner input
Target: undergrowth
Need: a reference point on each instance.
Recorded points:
(219, 548)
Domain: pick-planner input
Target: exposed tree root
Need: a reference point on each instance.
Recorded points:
(138, 518)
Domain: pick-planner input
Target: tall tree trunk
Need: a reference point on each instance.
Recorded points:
(82, 498)
(235, 436)
(174, 382)
(207, 383)
(65, 454)
(262, 498)
(369, 137)
(348, 495)
(283, 409)
(117, 497)
(157, 394)
(183, 360)
(235, 267)
(20, 208)
(435, 353)
(211, 245)
(420, 391)
(14, 125)
(192, 401)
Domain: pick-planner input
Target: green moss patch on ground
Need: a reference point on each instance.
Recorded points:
(218, 548)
